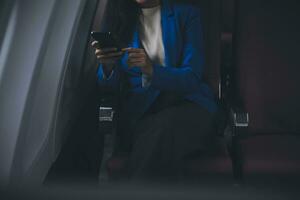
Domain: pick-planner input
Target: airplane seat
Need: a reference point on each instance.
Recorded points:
(218, 161)
(266, 93)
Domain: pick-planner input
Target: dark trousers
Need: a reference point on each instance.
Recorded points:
(167, 134)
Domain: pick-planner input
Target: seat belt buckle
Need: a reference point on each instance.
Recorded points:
(106, 114)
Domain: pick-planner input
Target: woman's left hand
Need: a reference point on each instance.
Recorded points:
(139, 58)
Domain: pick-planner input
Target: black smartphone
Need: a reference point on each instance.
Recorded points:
(106, 39)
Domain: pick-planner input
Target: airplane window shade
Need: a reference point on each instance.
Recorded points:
(21, 137)
(42, 83)
(76, 84)
(8, 16)
(5, 9)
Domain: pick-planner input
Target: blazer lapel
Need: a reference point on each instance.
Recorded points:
(170, 34)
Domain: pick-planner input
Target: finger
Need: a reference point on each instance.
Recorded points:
(135, 64)
(95, 44)
(109, 58)
(108, 55)
(107, 50)
(136, 60)
(99, 53)
(136, 55)
(126, 49)
(133, 50)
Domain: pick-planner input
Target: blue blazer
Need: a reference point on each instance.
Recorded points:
(184, 60)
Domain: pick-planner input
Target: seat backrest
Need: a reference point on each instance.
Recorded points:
(266, 42)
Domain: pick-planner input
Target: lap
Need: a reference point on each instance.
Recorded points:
(185, 127)
(187, 116)
(163, 139)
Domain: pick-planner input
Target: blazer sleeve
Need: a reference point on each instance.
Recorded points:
(187, 78)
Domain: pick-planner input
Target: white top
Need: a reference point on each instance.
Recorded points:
(150, 32)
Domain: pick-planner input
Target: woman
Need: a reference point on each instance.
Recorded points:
(167, 108)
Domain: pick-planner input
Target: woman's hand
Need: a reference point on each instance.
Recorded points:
(139, 58)
(108, 57)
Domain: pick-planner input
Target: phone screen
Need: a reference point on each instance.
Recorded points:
(105, 39)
